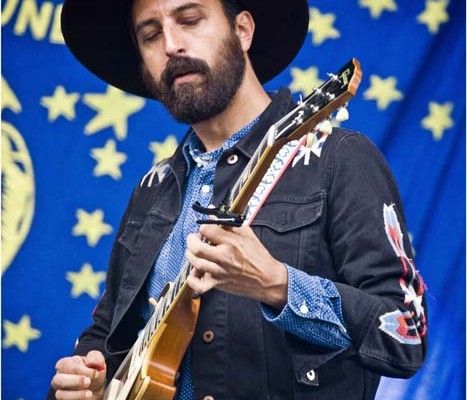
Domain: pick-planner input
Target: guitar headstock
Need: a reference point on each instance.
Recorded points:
(319, 105)
(304, 118)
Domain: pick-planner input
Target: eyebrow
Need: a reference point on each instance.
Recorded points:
(178, 10)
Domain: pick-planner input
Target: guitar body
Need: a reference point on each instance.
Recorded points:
(152, 375)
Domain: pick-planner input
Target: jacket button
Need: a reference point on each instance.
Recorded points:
(208, 398)
(208, 337)
(311, 375)
(232, 159)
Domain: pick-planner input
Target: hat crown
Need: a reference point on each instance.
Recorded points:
(98, 34)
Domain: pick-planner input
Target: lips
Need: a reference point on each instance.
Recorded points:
(182, 69)
(184, 77)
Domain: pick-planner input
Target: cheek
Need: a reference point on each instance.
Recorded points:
(154, 65)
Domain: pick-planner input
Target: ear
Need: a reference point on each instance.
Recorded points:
(245, 28)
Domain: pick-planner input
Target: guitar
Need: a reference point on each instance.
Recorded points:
(149, 371)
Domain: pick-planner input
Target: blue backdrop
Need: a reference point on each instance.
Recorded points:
(73, 148)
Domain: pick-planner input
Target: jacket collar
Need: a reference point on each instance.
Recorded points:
(281, 103)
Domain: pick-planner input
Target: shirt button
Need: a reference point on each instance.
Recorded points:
(304, 308)
(208, 398)
(232, 159)
(208, 336)
(205, 189)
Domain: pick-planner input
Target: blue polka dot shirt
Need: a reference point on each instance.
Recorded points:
(313, 310)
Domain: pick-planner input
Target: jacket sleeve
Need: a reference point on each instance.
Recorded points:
(94, 337)
(381, 291)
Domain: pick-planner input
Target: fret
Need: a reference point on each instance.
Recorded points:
(166, 305)
(151, 327)
(236, 189)
(178, 283)
(159, 315)
(152, 323)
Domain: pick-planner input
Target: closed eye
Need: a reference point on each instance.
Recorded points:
(190, 21)
(148, 38)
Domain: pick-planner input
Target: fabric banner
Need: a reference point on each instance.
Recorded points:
(73, 148)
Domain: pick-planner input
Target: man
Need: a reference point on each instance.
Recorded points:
(316, 300)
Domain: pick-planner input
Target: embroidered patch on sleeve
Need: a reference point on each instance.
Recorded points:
(400, 326)
(160, 170)
(409, 326)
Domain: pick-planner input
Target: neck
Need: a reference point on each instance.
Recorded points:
(249, 101)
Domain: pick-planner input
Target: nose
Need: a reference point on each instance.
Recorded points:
(174, 42)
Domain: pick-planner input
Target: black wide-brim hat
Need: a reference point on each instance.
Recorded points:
(98, 34)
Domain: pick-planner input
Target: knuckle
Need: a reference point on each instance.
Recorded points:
(55, 383)
(59, 364)
(204, 229)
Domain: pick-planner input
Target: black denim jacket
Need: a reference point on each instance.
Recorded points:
(325, 218)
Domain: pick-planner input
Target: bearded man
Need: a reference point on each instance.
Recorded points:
(318, 298)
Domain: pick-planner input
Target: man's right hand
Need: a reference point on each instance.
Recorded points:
(80, 377)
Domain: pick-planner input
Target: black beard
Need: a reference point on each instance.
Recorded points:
(194, 102)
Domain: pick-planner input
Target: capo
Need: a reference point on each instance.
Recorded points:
(223, 217)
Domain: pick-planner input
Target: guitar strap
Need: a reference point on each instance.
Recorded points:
(293, 151)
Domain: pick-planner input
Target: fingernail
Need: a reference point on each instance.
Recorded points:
(87, 381)
(97, 375)
(88, 394)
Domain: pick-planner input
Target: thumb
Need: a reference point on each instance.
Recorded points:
(95, 360)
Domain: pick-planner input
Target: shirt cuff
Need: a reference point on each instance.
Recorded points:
(313, 310)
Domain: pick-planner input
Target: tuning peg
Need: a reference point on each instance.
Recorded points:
(310, 140)
(152, 301)
(342, 114)
(325, 127)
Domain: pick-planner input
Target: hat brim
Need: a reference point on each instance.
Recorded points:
(98, 34)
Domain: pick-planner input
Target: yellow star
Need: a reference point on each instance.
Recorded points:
(320, 26)
(113, 110)
(377, 7)
(434, 14)
(19, 334)
(60, 103)
(383, 91)
(305, 81)
(85, 281)
(439, 119)
(8, 98)
(91, 225)
(163, 150)
(108, 160)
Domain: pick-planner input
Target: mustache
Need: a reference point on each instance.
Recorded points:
(177, 66)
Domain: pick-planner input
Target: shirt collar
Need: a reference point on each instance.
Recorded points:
(193, 149)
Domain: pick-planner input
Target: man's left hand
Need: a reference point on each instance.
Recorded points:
(235, 261)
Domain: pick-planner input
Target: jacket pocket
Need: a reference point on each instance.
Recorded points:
(130, 234)
(290, 227)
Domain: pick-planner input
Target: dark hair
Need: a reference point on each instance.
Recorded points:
(231, 9)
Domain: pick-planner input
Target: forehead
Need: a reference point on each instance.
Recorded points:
(143, 9)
